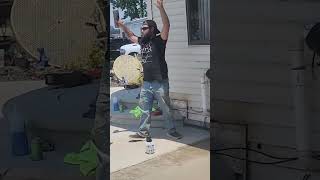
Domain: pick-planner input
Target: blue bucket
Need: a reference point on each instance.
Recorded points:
(19, 144)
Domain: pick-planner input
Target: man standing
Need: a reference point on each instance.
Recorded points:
(156, 83)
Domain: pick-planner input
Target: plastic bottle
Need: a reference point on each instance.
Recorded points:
(150, 147)
(121, 107)
(115, 104)
(19, 140)
(36, 150)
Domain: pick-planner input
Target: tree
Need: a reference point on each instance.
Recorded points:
(132, 8)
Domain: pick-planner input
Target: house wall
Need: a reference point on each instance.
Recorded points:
(186, 63)
(253, 80)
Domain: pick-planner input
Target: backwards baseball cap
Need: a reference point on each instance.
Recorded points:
(153, 24)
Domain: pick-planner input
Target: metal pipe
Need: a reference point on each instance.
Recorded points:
(204, 98)
(203, 94)
(246, 167)
(300, 103)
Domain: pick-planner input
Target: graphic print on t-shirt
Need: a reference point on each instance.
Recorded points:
(153, 59)
(146, 53)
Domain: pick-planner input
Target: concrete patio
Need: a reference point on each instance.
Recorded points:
(11, 89)
(125, 154)
(21, 167)
(52, 167)
(187, 163)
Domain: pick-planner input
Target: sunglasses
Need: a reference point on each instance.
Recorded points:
(144, 28)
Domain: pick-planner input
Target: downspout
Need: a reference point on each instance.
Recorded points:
(204, 98)
(300, 104)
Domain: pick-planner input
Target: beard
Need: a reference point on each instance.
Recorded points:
(146, 38)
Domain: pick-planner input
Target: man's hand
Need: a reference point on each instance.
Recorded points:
(159, 4)
(165, 20)
(120, 23)
(130, 34)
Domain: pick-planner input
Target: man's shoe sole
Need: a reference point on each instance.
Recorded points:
(137, 135)
(173, 137)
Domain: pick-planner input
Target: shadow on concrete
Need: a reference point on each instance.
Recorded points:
(191, 134)
(55, 115)
(57, 120)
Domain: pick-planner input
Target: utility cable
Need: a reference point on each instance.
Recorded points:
(306, 176)
(4, 173)
(257, 162)
(260, 152)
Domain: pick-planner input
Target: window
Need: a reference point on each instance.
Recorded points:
(198, 18)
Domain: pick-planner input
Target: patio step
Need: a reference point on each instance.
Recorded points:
(129, 98)
(126, 95)
(125, 118)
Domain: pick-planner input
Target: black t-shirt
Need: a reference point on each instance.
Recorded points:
(153, 59)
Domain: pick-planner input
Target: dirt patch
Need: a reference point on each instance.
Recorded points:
(13, 73)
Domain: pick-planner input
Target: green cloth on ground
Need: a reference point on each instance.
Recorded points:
(86, 158)
(137, 112)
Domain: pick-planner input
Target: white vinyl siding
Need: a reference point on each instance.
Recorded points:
(253, 81)
(186, 63)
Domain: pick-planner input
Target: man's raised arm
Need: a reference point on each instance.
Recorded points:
(129, 33)
(165, 20)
